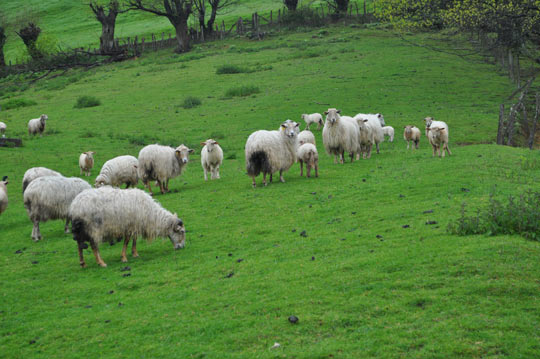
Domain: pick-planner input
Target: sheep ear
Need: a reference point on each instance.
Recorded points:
(203, 143)
(5, 178)
(326, 112)
(338, 111)
(215, 142)
(190, 150)
(366, 120)
(297, 125)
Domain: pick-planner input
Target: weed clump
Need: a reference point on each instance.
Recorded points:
(87, 101)
(17, 103)
(515, 216)
(230, 69)
(242, 91)
(190, 102)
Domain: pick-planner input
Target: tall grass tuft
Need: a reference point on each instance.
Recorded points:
(519, 215)
(17, 103)
(87, 101)
(190, 102)
(230, 69)
(242, 91)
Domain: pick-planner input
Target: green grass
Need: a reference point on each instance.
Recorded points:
(87, 101)
(370, 280)
(242, 91)
(17, 103)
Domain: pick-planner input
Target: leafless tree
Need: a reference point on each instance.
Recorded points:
(29, 33)
(3, 37)
(106, 15)
(216, 6)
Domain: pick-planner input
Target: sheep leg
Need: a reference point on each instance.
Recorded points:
(147, 184)
(205, 173)
(281, 176)
(351, 155)
(408, 143)
(448, 150)
(66, 227)
(126, 242)
(377, 145)
(301, 168)
(264, 178)
(434, 149)
(417, 143)
(36, 234)
(217, 172)
(162, 190)
(341, 160)
(308, 168)
(369, 151)
(167, 185)
(253, 182)
(316, 170)
(81, 257)
(335, 159)
(81, 171)
(134, 248)
(271, 177)
(96, 254)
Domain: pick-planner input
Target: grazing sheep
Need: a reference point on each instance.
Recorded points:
(49, 197)
(411, 133)
(340, 134)
(308, 153)
(313, 118)
(271, 151)
(430, 122)
(388, 131)
(377, 122)
(86, 162)
(3, 194)
(161, 163)
(37, 125)
(36, 172)
(306, 137)
(211, 158)
(3, 128)
(365, 138)
(103, 213)
(438, 138)
(117, 171)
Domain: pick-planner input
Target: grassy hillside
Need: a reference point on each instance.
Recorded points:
(362, 283)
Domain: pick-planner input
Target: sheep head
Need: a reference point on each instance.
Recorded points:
(182, 153)
(381, 119)
(429, 121)
(290, 128)
(210, 144)
(43, 118)
(177, 233)
(332, 115)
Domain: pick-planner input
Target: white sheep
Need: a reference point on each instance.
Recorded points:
(340, 134)
(388, 131)
(161, 163)
(306, 137)
(307, 153)
(35, 172)
(438, 138)
(49, 197)
(37, 125)
(3, 128)
(3, 194)
(117, 171)
(313, 118)
(103, 213)
(377, 122)
(365, 138)
(211, 158)
(430, 122)
(86, 162)
(411, 133)
(271, 151)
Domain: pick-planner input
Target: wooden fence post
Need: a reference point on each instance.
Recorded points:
(500, 128)
(535, 121)
(142, 45)
(271, 17)
(279, 16)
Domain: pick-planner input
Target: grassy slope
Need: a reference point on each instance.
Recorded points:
(417, 292)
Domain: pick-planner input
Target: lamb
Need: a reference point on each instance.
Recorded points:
(438, 138)
(340, 134)
(36, 172)
(3, 128)
(161, 163)
(211, 158)
(117, 171)
(271, 151)
(377, 122)
(86, 162)
(37, 125)
(365, 138)
(103, 213)
(388, 131)
(411, 133)
(49, 197)
(3, 194)
(308, 153)
(313, 118)
(306, 137)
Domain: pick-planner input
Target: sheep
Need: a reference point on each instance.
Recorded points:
(365, 138)
(313, 118)
(211, 158)
(161, 163)
(49, 197)
(36, 172)
(117, 171)
(438, 138)
(377, 122)
(271, 151)
(340, 134)
(388, 131)
(3, 128)
(306, 137)
(411, 133)
(308, 153)
(3, 194)
(103, 213)
(86, 162)
(430, 122)
(37, 125)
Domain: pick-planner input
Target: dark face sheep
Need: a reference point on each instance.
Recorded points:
(177, 235)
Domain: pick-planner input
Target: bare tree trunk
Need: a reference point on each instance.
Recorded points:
(108, 22)
(510, 127)
(2, 43)
(182, 36)
(500, 128)
(535, 121)
(29, 35)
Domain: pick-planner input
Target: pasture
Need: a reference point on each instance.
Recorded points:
(349, 253)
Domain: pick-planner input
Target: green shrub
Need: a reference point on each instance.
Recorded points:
(190, 102)
(87, 101)
(230, 69)
(17, 103)
(242, 91)
(516, 216)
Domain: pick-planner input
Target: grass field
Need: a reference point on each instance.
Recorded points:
(361, 284)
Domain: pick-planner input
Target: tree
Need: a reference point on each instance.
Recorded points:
(417, 14)
(339, 6)
(3, 38)
(108, 21)
(215, 7)
(29, 34)
(176, 11)
(291, 4)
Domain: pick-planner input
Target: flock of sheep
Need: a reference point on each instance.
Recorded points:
(108, 213)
